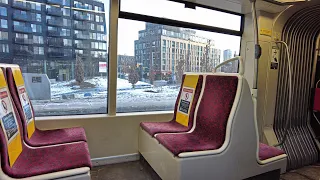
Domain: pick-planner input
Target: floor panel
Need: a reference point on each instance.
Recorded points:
(139, 170)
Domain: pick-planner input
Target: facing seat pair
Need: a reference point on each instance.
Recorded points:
(223, 142)
(66, 159)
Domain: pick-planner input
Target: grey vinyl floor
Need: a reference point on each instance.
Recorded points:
(138, 171)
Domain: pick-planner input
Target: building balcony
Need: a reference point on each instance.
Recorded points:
(83, 55)
(58, 54)
(82, 17)
(23, 52)
(56, 2)
(80, 6)
(54, 11)
(55, 42)
(24, 29)
(82, 36)
(99, 55)
(23, 41)
(21, 5)
(21, 17)
(54, 22)
(83, 46)
(82, 26)
(54, 33)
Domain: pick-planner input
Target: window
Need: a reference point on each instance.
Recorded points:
(36, 6)
(99, 18)
(98, 8)
(22, 36)
(65, 32)
(83, 15)
(4, 1)
(218, 19)
(38, 50)
(53, 51)
(182, 49)
(66, 12)
(100, 28)
(3, 35)
(4, 23)
(36, 28)
(3, 11)
(37, 39)
(67, 42)
(4, 48)
(66, 22)
(36, 17)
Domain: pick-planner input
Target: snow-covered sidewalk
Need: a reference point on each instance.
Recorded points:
(67, 99)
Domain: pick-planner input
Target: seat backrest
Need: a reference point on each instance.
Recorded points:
(21, 99)
(187, 99)
(11, 141)
(213, 111)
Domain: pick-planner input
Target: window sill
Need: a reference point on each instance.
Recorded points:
(106, 116)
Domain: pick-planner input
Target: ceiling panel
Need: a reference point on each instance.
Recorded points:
(241, 6)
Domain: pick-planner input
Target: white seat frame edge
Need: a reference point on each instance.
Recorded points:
(236, 156)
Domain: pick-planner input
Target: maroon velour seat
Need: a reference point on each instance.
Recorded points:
(211, 118)
(40, 137)
(39, 161)
(267, 152)
(173, 126)
(45, 160)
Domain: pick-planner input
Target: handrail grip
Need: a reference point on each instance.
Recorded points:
(241, 65)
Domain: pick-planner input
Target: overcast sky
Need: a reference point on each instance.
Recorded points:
(128, 29)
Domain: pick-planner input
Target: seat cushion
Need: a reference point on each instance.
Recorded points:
(33, 162)
(267, 152)
(153, 128)
(172, 126)
(211, 118)
(179, 143)
(57, 136)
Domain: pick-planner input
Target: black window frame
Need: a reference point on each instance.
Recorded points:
(182, 24)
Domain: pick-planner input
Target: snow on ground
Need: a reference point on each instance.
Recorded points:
(142, 91)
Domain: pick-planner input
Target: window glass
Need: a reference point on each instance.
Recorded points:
(38, 50)
(150, 67)
(36, 28)
(3, 11)
(4, 1)
(4, 23)
(3, 35)
(38, 39)
(36, 6)
(78, 85)
(4, 48)
(177, 11)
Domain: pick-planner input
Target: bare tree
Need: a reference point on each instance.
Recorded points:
(152, 75)
(206, 62)
(79, 70)
(133, 76)
(180, 67)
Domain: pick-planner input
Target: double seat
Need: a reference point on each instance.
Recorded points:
(220, 140)
(29, 153)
